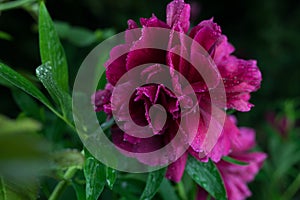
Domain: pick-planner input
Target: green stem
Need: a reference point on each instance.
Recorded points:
(61, 186)
(292, 189)
(14, 4)
(2, 188)
(107, 125)
(181, 191)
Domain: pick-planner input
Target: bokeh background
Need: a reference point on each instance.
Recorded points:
(265, 30)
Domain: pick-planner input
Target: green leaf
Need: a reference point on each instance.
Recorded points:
(233, 161)
(207, 176)
(27, 104)
(5, 36)
(111, 176)
(129, 188)
(54, 71)
(78, 36)
(167, 191)
(24, 84)
(46, 75)
(51, 50)
(11, 189)
(3, 194)
(79, 189)
(153, 183)
(15, 4)
(94, 173)
(5, 83)
(19, 81)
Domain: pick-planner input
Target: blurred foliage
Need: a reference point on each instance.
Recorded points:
(23, 156)
(266, 30)
(280, 177)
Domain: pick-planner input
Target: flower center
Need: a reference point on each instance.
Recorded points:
(158, 117)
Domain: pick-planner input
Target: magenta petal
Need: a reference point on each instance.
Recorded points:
(236, 189)
(236, 177)
(255, 161)
(209, 35)
(196, 145)
(132, 24)
(246, 140)
(133, 33)
(202, 194)
(129, 144)
(206, 34)
(209, 72)
(178, 15)
(222, 50)
(176, 169)
(153, 22)
(154, 73)
(240, 77)
(115, 66)
(227, 139)
(101, 98)
(177, 62)
(142, 53)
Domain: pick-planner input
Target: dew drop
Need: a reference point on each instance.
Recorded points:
(124, 184)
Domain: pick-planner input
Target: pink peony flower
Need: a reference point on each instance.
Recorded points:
(240, 78)
(236, 176)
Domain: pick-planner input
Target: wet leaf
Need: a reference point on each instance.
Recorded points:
(167, 191)
(111, 176)
(207, 176)
(46, 75)
(94, 173)
(51, 50)
(154, 180)
(22, 83)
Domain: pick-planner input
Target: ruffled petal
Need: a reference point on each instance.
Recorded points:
(240, 77)
(178, 15)
(207, 34)
(153, 22)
